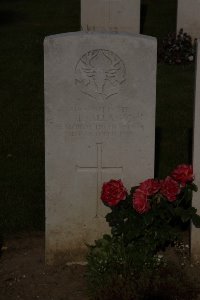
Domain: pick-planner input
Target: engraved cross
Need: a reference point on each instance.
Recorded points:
(99, 169)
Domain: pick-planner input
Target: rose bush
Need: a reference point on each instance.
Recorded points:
(151, 209)
(143, 222)
(177, 49)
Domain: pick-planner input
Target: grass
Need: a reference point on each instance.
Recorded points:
(23, 26)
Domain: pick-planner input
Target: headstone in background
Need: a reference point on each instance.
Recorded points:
(100, 97)
(110, 15)
(195, 234)
(188, 17)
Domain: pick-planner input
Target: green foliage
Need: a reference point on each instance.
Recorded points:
(116, 272)
(158, 228)
(126, 264)
(177, 49)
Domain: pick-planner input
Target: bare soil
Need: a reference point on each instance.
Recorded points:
(24, 275)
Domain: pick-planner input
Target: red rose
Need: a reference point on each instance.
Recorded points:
(150, 187)
(183, 174)
(140, 202)
(170, 189)
(113, 192)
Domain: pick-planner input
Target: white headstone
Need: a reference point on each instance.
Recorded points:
(110, 15)
(188, 17)
(100, 96)
(195, 233)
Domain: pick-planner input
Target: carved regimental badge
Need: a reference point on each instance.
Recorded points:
(100, 74)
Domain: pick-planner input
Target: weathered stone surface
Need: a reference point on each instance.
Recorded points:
(110, 15)
(195, 232)
(100, 96)
(188, 17)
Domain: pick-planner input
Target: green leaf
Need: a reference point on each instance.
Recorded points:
(185, 217)
(196, 220)
(107, 237)
(194, 187)
(165, 214)
(148, 219)
(132, 235)
(109, 217)
(188, 195)
(192, 210)
(185, 214)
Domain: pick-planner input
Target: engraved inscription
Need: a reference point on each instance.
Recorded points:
(99, 169)
(100, 74)
(102, 121)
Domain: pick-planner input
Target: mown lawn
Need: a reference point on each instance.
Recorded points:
(23, 26)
